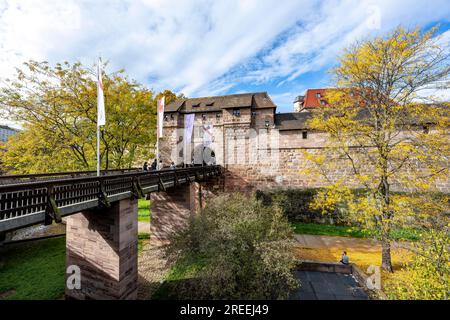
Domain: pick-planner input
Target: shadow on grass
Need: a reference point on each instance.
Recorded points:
(34, 270)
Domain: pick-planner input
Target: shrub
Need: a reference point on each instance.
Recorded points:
(238, 248)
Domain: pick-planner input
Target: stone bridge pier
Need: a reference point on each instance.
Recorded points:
(171, 209)
(102, 243)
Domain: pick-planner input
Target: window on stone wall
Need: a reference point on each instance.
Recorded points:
(426, 130)
(305, 134)
(237, 112)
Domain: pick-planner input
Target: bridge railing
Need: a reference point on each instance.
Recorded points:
(44, 201)
(9, 179)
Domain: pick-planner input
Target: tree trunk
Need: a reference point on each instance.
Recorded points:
(386, 262)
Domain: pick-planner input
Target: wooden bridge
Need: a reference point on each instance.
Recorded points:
(101, 224)
(43, 198)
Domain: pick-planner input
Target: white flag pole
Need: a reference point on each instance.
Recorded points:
(98, 151)
(101, 118)
(160, 119)
(98, 126)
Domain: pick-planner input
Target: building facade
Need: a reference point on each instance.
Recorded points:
(6, 132)
(258, 147)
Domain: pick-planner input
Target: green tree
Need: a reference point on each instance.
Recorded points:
(58, 109)
(379, 136)
(241, 249)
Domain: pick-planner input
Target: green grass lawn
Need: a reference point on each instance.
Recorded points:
(349, 231)
(180, 272)
(142, 237)
(144, 210)
(34, 270)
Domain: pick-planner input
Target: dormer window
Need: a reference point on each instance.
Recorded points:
(196, 105)
(318, 95)
(210, 104)
(237, 112)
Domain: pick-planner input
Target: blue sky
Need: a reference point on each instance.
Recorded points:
(207, 47)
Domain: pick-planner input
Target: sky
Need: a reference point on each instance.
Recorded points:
(204, 48)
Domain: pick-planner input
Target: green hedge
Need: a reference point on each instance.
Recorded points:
(295, 204)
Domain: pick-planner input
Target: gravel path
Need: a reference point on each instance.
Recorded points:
(151, 270)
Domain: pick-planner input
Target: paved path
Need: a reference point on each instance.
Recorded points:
(344, 243)
(327, 286)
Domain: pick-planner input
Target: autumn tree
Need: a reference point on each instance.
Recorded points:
(57, 107)
(384, 132)
(427, 277)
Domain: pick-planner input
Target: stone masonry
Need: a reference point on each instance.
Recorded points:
(103, 244)
(258, 147)
(171, 209)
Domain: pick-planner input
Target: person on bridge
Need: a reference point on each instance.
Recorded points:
(154, 164)
(160, 165)
(145, 167)
(213, 159)
(173, 166)
(344, 258)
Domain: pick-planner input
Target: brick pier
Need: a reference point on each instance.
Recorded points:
(170, 210)
(103, 244)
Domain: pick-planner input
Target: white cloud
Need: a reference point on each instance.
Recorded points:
(200, 47)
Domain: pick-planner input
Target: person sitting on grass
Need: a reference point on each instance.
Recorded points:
(344, 258)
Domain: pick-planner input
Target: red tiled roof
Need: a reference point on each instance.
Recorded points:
(311, 99)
